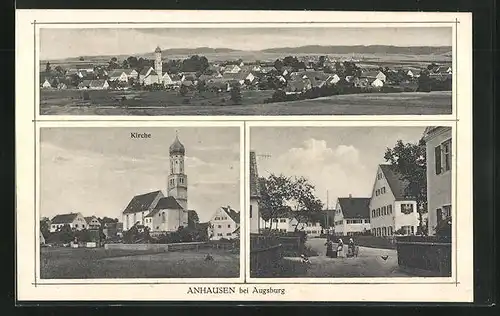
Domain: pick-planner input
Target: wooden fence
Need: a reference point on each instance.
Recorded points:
(425, 254)
(265, 254)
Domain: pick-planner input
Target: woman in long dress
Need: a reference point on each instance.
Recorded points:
(329, 248)
(340, 248)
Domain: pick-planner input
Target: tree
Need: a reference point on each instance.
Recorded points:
(45, 227)
(409, 160)
(60, 70)
(183, 90)
(132, 62)
(236, 94)
(278, 64)
(424, 82)
(47, 67)
(113, 63)
(283, 195)
(193, 219)
(81, 59)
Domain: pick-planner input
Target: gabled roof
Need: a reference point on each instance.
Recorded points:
(89, 218)
(235, 216)
(355, 207)
(64, 218)
(396, 183)
(142, 202)
(168, 202)
(145, 70)
(97, 83)
(254, 176)
(371, 74)
(116, 72)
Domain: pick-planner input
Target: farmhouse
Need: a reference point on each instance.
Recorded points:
(232, 69)
(439, 165)
(374, 75)
(92, 222)
(391, 208)
(255, 218)
(93, 84)
(153, 209)
(225, 223)
(377, 83)
(74, 220)
(352, 216)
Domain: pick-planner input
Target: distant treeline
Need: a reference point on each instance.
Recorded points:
(360, 49)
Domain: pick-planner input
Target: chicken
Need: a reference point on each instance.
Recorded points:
(384, 257)
(209, 257)
(304, 258)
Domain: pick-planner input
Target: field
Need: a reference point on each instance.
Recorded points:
(104, 102)
(83, 263)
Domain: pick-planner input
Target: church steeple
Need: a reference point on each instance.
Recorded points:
(158, 64)
(177, 179)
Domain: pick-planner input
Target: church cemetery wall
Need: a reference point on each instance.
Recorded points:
(158, 247)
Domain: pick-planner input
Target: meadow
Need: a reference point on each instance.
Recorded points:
(152, 103)
(89, 263)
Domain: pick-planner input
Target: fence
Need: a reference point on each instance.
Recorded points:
(158, 247)
(431, 255)
(265, 254)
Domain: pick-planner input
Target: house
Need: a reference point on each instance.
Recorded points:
(140, 206)
(189, 76)
(377, 83)
(167, 216)
(118, 75)
(374, 75)
(175, 78)
(217, 85)
(225, 223)
(144, 73)
(85, 67)
(93, 84)
(438, 142)
(333, 79)
(232, 69)
(113, 229)
(62, 86)
(392, 210)
(151, 78)
(92, 222)
(98, 84)
(287, 222)
(361, 82)
(254, 211)
(45, 84)
(75, 220)
(352, 216)
(167, 80)
(298, 86)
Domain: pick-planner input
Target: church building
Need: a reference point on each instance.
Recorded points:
(158, 212)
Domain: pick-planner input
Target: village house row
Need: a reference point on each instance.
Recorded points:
(387, 212)
(222, 76)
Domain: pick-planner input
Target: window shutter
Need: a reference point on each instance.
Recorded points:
(437, 158)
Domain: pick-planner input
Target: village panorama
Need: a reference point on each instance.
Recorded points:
(159, 233)
(307, 80)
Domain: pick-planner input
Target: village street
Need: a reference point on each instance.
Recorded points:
(369, 263)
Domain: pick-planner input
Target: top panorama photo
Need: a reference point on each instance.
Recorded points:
(246, 71)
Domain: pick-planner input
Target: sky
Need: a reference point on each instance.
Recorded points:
(337, 160)
(57, 43)
(97, 171)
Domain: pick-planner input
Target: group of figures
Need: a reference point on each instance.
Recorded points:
(352, 249)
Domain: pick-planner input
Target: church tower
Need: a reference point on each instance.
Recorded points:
(177, 180)
(158, 64)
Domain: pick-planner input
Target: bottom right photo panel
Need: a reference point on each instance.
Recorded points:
(350, 201)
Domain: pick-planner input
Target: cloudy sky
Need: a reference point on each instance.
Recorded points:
(340, 160)
(63, 43)
(97, 171)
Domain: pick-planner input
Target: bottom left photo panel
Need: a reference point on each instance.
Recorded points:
(142, 202)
